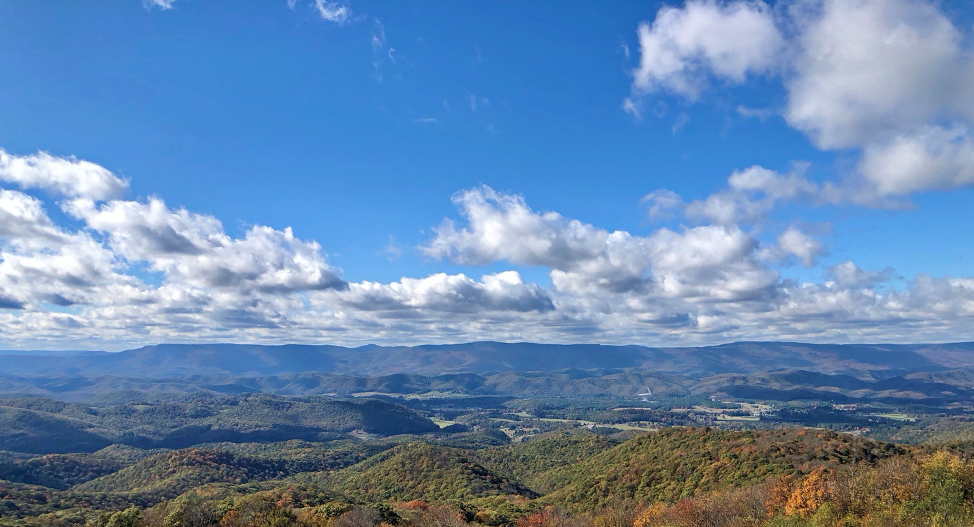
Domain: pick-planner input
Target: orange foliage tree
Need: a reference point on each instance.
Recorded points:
(810, 493)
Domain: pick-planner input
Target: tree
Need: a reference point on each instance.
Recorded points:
(189, 511)
(130, 517)
(811, 493)
(652, 516)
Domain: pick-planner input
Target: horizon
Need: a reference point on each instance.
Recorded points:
(667, 175)
(374, 345)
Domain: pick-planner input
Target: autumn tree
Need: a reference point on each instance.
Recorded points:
(810, 493)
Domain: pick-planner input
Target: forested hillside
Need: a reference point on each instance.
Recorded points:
(44, 426)
(675, 477)
(421, 471)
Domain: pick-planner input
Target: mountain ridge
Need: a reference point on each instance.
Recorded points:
(873, 361)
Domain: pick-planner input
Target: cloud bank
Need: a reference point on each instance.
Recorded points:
(130, 272)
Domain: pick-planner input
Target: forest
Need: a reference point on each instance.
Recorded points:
(677, 476)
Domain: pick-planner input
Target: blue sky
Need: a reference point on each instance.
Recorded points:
(363, 126)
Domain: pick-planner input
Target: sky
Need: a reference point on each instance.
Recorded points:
(362, 172)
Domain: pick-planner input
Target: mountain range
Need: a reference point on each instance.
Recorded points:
(862, 361)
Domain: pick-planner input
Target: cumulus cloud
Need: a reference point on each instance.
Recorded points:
(24, 221)
(194, 249)
(930, 158)
(710, 263)
(891, 78)
(888, 79)
(795, 243)
(65, 175)
(850, 275)
(701, 261)
(206, 277)
(78, 272)
(505, 291)
(752, 193)
(503, 227)
(138, 271)
(870, 69)
(42, 263)
(693, 285)
(683, 48)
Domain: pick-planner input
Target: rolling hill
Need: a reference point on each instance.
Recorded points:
(45, 426)
(421, 471)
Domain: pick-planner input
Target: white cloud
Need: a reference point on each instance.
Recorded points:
(770, 183)
(630, 106)
(502, 227)
(477, 102)
(702, 284)
(392, 250)
(932, 158)
(684, 47)
(752, 193)
(161, 4)
(64, 175)
(379, 52)
(42, 263)
(193, 249)
(850, 275)
(756, 113)
(24, 221)
(504, 291)
(75, 273)
(135, 272)
(701, 261)
(710, 263)
(868, 70)
(889, 79)
(681, 120)
(662, 203)
(337, 12)
(794, 242)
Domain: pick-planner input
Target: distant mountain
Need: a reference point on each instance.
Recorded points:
(240, 360)
(918, 388)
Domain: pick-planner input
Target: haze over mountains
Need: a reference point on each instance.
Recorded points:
(172, 360)
(929, 374)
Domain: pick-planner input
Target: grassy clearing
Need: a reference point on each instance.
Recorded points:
(442, 423)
